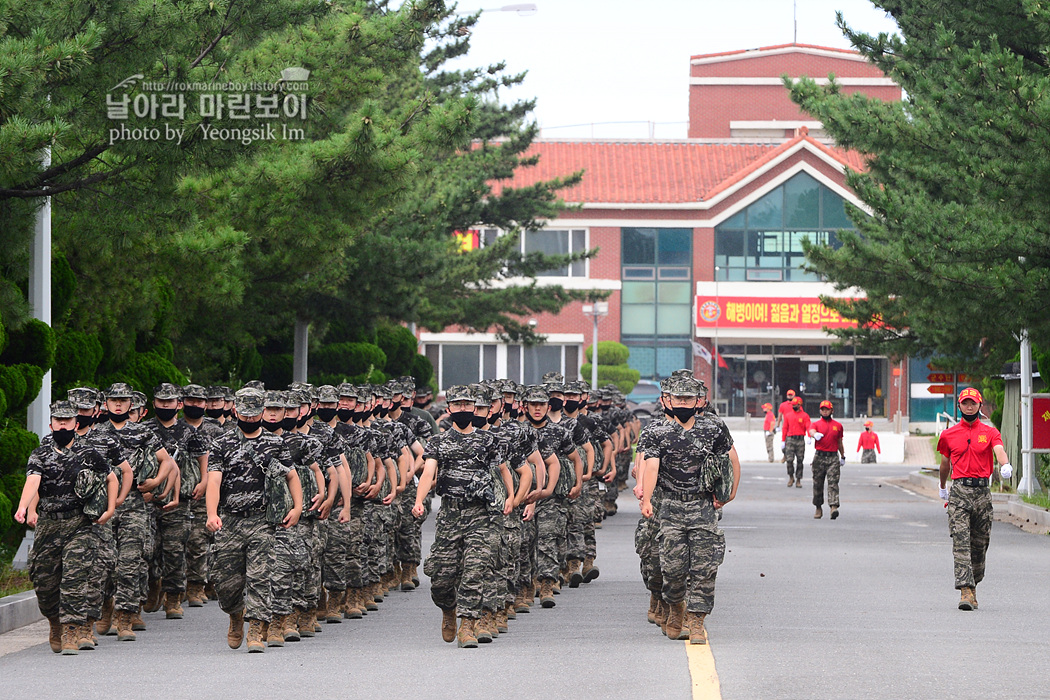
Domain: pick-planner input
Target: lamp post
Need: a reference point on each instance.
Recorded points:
(596, 311)
(714, 359)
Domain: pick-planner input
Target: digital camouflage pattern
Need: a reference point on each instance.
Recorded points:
(240, 569)
(246, 465)
(691, 548)
(460, 558)
(794, 454)
(465, 464)
(58, 474)
(62, 567)
(683, 454)
(826, 465)
(970, 525)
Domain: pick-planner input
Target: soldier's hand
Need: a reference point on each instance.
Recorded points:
(529, 513)
(638, 491)
(198, 491)
(783, 444)
(31, 518)
(417, 510)
(842, 460)
(944, 494)
(610, 476)
(104, 518)
(316, 502)
(148, 496)
(344, 515)
(373, 491)
(818, 435)
(20, 515)
(1006, 471)
(172, 505)
(574, 492)
(389, 498)
(508, 507)
(647, 509)
(292, 518)
(214, 523)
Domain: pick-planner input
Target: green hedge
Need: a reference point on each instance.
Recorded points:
(346, 359)
(400, 347)
(609, 353)
(34, 344)
(76, 360)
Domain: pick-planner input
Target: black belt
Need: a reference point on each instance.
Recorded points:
(971, 481)
(61, 515)
(686, 497)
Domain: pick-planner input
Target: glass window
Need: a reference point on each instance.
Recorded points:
(460, 364)
(801, 202)
(735, 221)
(579, 244)
(639, 273)
(673, 319)
(676, 293)
(514, 362)
(643, 359)
(670, 359)
(639, 246)
(675, 246)
(834, 211)
(488, 370)
(539, 360)
(639, 292)
(637, 319)
(572, 363)
(728, 244)
(675, 273)
(558, 242)
(767, 212)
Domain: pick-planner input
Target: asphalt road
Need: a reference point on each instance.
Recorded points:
(860, 607)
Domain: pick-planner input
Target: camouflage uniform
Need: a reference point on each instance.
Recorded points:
(645, 536)
(62, 563)
(970, 524)
(826, 464)
(867, 457)
(552, 512)
(200, 539)
(290, 561)
(409, 534)
(460, 557)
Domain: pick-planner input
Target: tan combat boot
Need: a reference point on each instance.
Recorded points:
(274, 632)
(509, 612)
(406, 577)
(137, 623)
(448, 624)
(547, 593)
(500, 618)
(661, 614)
(153, 597)
(818, 514)
(125, 633)
(413, 574)
(791, 481)
(483, 631)
(466, 637)
(394, 583)
(379, 590)
(697, 632)
(105, 623)
(967, 600)
(654, 607)
(195, 595)
(54, 637)
(173, 606)
(675, 619)
(531, 591)
(334, 614)
(368, 597)
(973, 592)
(85, 637)
(575, 578)
(590, 571)
(520, 604)
(305, 623)
(255, 637)
(235, 635)
(351, 610)
(69, 640)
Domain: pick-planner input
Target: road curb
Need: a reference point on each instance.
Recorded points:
(18, 610)
(1009, 502)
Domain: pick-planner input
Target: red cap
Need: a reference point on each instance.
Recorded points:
(970, 393)
(797, 400)
(791, 393)
(767, 407)
(827, 404)
(868, 424)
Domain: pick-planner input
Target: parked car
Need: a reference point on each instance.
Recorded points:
(645, 391)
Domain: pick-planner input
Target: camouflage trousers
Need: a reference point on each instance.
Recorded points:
(794, 454)
(590, 498)
(460, 558)
(826, 464)
(314, 536)
(289, 570)
(391, 516)
(241, 565)
(970, 525)
(691, 548)
(867, 457)
(769, 444)
(551, 517)
(648, 550)
(578, 516)
(408, 538)
(373, 541)
(510, 550)
(622, 464)
(341, 558)
(493, 589)
(105, 568)
(197, 544)
(131, 528)
(527, 553)
(168, 562)
(62, 567)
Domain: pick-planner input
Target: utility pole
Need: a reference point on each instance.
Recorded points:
(595, 311)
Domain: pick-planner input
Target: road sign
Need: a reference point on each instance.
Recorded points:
(947, 377)
(941, 389)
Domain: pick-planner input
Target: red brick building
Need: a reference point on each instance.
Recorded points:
(700, 246)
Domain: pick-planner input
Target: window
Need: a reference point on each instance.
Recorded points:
(460, 364)
(764, 242)
(540, 359)
(558, 242)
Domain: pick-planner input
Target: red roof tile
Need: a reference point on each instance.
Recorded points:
(773, 48)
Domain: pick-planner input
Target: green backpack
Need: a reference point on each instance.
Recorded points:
(190, 471)
(90, 487)
(278, 496)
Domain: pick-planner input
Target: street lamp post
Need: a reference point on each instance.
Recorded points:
(714, 359)
(596, 311)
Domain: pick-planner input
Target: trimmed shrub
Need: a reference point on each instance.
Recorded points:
(422, 370)
(609, 353)
(346, 359)
(13, 384)
(400, 347)
(15, 446)
(145, 370)
(33, 344)
(34, 378)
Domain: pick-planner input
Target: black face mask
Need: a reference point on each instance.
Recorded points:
(118, 417)
(512, 412)
(344, 414)
(683, 414)
(227, 412)
(556, 404)
(536, 423)
(462, 418)
(796, 408)
(381, 411)
(63, 437)
(970, 418)
(572, 406)
(213, 412)
(667, 411)
(85, 422)
(479, 421)
(272, 427)
(247, 427)
(493, 417)
(193, 412)
(302, 421)
(361, 415)
(326, 414)
(289, 423)
(165, 414)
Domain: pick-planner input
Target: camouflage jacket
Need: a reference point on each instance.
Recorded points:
(247, 465)
(555, 439)
(58, 473)
(140, 447)
(685, 455)
(185, 444)
(465, 464)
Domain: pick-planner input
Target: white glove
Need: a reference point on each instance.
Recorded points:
(944, 494)
(818, 435)
(842, 460)
(809, 440)
(783, 444)
(1006, 471)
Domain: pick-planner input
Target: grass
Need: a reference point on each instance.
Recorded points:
(12, 581)
(1038, 499)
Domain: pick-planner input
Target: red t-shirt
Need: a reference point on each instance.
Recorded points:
(784, 409)
(832, 430)
(796, 423)
(869, 441)
(769, 422)
(969, 448)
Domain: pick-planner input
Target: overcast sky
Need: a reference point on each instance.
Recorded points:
(600, 61)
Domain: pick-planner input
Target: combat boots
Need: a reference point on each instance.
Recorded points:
(967, 600)
(195, 595)
(467, 637)
(590, 571)
(85, 639)
(334, 614)
(500, 620)
(105, 623)
(834, 512)
(290, 626)
(660, 618)
(483, 629)
(791, 481)
(575, 578)
(547, 593)
(509, 612)
(448, 624)
(54, 636)
(351, 608)
(406, 577)
(69, 640)
(125, 633)
(520, 606)
(414, 574)
(137, 623)
(675, 620)
(368, 597)
(274, 632)
(697, 633)
(818, 514)
(654, 607)
(306, 621)
(153, 597)
(235, 635)
(173, 606)
(255, 637)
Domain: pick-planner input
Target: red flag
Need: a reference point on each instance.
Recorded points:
(721, 361)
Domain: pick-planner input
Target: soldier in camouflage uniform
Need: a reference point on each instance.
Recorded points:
(62, 562)
(582, 541)
(645, 537)
(246, 503)
(409, 535)
(200, 539)
(691, 544)
(460, 462)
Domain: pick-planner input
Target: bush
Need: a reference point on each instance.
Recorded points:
(76, 359)
(34, 344)
(13, 384)
(400, 347)
(422, 370)
(16, 444)
(145, 370)
(63, 285)
(346, 359)
(612, 373)
(609, 353)
(34, 378)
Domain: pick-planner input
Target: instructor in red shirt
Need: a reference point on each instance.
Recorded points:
(828, 459)
(797, 427)
(967, 449)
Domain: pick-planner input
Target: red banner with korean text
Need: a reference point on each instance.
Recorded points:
(763, 312)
